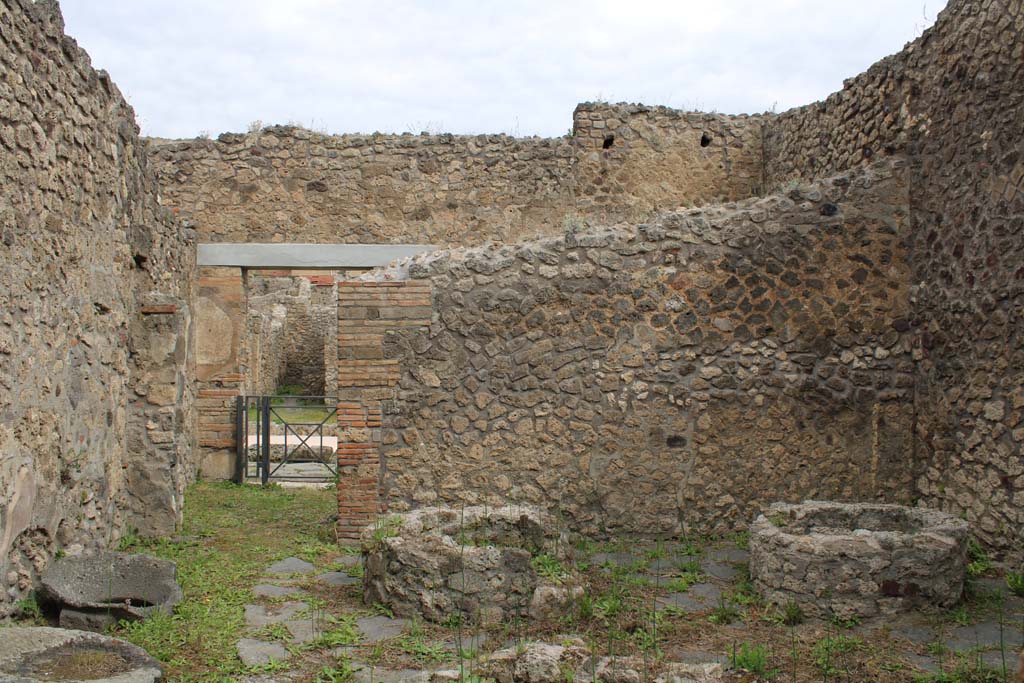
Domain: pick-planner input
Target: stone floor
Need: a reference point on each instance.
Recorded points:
(287, 616)
(313, 474)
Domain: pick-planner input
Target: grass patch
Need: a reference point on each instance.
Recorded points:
(687, 574)
(1015, 582)
(792, 614)
(978, 563)
(725, 613)
(341, 673)
(415, 645)
(549, 568)
(831, 654)
(385, 527)
(752, 658)
(236, 532)
(341, 630)
(29, 609)
(297, 411)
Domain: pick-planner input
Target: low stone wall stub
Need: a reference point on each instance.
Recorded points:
(471, 562)
(858, 560)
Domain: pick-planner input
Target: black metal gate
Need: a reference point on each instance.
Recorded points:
(282, 438)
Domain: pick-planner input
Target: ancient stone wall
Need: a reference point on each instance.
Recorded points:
(293, 318)
(954, 102)
(285, 184)
(266, 331)
(866, 120)
(968, 228)
(678, 375)
(634, 160)
(95, 335)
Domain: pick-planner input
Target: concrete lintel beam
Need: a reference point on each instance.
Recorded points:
(253, 255)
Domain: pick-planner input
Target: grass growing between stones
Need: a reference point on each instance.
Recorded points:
(231, 534)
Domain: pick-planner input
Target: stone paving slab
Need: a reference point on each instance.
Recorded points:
(338, 579)
(258, 616)
(364, 673)
(680, 601)
(301, 631)
(668, 566)
(291, 565)
(985, 634)
(654, 579)
(1013, 610)
(924, 662)
(379, 627)
(348, 560)
(258, 653)
(706, 592)
(271, 590)
(915, 632)
(995, 660)
(720, 570)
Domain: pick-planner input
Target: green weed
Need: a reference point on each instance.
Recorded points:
(342, 673)
(828, 651)
(29, 608)
(342, 631)
(724, 613)
(845, 622)
(421, 651)
(549, 568)
(978, 563)
(752, 658)
(1015, 582)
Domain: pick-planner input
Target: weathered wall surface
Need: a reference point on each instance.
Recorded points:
(675, 376)
(367, 312)
(292, 185)
(293, 319)
(634, 160)
(954, 101)
(968, 209)
(222, 355)
(284, 184)
(868, 119)
(95, 405)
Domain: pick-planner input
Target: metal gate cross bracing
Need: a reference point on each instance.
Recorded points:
(286, 438)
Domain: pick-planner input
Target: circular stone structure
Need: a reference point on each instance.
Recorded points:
(858, 559)
(475, 562)
(38, 654)
(95, 591)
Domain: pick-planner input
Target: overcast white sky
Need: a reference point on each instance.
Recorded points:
(475, 66)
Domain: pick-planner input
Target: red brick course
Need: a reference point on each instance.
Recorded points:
(366, 311)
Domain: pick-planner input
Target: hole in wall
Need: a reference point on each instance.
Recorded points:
(140, 260)
(609, 140)
(705, 139)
